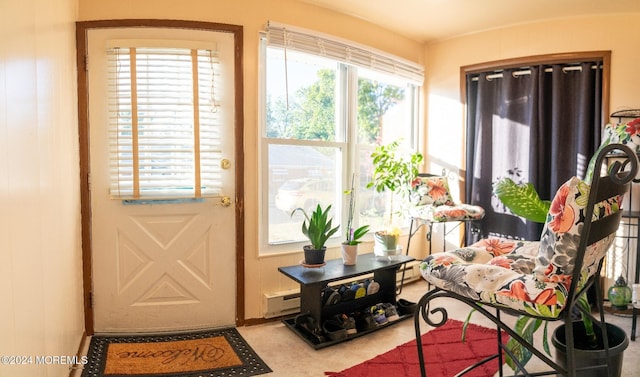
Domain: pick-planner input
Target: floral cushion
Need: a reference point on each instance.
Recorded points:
(561, 234)
(444, 213)
(432, 201)
(624, 133)
(619, 133)
(533, 276)
(432, 190)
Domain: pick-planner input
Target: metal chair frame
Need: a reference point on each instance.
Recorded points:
(419, 223)
(602, 187)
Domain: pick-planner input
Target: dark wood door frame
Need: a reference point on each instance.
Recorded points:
(82, 29)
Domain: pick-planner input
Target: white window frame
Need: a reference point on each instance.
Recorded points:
(349, 55)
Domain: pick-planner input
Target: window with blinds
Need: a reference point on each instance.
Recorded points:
(163, 121)
(326, 103)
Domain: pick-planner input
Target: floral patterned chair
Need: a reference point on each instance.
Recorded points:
(540, 279)
(432, 203)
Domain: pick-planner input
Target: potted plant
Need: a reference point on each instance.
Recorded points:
(350, 245)
(393, 171)
(317, 228)
(524, 201)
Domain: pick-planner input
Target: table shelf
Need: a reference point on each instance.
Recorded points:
(314, 280)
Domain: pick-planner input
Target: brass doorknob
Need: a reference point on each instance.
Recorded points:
(225, 201)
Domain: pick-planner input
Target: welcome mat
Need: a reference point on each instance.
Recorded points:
(209, 353)
(445, 354)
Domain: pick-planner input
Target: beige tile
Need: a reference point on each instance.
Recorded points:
(287, 355)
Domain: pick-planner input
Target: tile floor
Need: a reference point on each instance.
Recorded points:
(289, 356)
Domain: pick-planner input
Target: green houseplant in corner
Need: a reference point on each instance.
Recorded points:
(317, 228)
(393, 171)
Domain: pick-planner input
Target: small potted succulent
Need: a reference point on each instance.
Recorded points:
(353, 236)
(317, 228)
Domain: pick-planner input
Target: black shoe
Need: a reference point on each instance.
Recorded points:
(406, 307)
(334, 330)
(365, 321)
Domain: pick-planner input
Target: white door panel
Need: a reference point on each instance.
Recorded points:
(159, 266)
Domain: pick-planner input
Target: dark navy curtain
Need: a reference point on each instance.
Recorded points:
(540, 127)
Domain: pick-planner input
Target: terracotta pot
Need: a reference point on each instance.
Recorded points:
(349, 254)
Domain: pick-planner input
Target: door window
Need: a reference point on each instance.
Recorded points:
(164, 128)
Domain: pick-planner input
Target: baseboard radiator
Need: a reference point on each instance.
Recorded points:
(283, 303)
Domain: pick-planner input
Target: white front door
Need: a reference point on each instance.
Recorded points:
(160, 265)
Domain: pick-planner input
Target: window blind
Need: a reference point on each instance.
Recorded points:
(347, 52)
(164, 130)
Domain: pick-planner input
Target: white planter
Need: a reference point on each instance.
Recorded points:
(349, 254)
(385, 241)
(389, 254)
(386, 245)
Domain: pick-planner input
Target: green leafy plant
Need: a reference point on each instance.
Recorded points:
(393, 171)
(353, 236)
(524, 201)
(527, 327)
(317, 227)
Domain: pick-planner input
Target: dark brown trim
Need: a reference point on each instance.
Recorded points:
(569, 57)
(85, 195)
(82, 29)
(239, 132)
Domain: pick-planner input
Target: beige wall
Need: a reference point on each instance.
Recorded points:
(41, 311)
(262, 274)
(615, 33)
(444, 59)
(40, 267)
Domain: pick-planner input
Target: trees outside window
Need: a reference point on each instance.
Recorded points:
(322, 118)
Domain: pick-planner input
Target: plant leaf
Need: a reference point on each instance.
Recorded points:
(317, 228)
(466, 324)
(526, 327)
(545, 339)
(522, 200)
(358, 233)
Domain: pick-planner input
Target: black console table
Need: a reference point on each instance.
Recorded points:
(314, 280)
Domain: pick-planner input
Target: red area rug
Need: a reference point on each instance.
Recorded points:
(445, 355)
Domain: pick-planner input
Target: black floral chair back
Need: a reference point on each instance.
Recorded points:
(542, 280)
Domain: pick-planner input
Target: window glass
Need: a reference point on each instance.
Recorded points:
(301, 95)
(384, 106)
(300, 177)
(322, 119)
